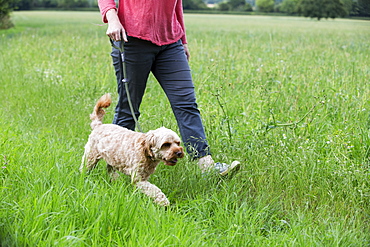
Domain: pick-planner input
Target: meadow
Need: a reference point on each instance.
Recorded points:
(289, 97)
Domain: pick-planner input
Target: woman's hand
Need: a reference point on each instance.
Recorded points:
(187, 52)
(115, 29)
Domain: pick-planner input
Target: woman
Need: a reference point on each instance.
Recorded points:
(154, 39)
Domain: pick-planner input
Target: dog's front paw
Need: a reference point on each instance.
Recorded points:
(162, 201)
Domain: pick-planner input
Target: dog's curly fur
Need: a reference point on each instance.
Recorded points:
(132, 153)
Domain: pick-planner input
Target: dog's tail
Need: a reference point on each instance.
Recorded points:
(98, 113)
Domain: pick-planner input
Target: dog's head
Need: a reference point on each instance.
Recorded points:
(164, 144)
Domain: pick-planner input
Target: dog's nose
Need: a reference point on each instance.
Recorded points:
(179, 154)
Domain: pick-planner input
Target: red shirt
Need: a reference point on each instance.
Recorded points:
(158, 21)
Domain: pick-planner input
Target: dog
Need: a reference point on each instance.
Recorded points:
(132, 153)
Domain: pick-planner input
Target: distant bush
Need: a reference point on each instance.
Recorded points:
(235, 5)
(194, 4)
(265, 5)
(5, 10)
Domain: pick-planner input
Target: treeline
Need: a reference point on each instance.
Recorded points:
(52, 4)
(308, 8)
(324, 8)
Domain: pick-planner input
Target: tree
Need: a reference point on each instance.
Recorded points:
(364, 7)
(5, 10)
(236, 4)
(265, 5)
(248, 7)
(224, 6)
(193, 4)
(322, 9)
(70, 4)
(348, 5)
(290, 6)
(22, 4)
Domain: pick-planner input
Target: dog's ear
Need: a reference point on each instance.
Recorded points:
(147, 143)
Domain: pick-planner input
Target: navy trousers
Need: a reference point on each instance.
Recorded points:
(170, 67)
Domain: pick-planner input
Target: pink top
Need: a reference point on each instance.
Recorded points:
(161, 22)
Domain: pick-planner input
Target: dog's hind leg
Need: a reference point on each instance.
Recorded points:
(153, 192)
(89, 160)
(83, 162)
(112, 172)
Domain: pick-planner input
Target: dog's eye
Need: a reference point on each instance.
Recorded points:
(166, 145)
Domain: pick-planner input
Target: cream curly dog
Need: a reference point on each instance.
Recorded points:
(132, 153)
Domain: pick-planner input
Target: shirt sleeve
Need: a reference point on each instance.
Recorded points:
(180, 19)
(104, 6)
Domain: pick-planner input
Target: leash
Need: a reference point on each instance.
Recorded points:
(125, 82)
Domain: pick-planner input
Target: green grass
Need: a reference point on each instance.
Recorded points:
(288, 97)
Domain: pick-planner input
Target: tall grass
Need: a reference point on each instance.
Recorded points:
(288, 97)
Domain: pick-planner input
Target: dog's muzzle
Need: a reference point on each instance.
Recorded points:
(173, 161)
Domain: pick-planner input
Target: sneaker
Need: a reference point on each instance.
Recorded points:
(223, 169)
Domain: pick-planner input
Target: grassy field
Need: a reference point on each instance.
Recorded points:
(288, 97)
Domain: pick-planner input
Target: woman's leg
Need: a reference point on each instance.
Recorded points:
(172, 70)
(139, 56)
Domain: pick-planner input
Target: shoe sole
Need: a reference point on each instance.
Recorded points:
(234, 166)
